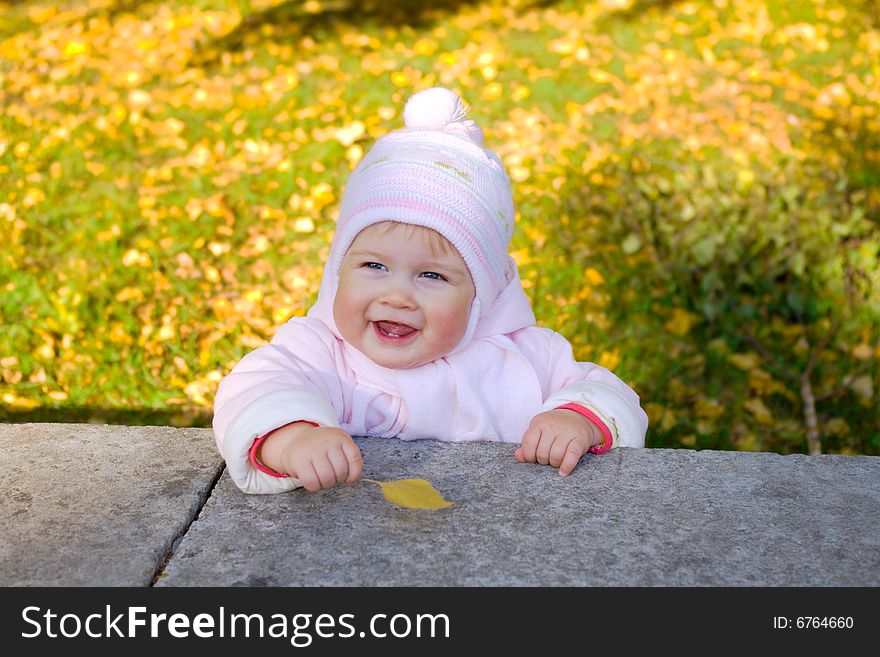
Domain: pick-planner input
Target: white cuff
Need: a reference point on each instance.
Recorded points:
(626, 425)
(259, 418)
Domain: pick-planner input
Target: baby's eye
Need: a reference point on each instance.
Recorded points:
(374, 265)
(434, 276)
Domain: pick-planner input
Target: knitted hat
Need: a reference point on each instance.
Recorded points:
(435, 173)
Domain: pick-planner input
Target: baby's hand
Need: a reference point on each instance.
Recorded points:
(320, 457)
(558, 438)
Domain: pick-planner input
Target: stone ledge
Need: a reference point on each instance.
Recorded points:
(97, 505)
(101, 505)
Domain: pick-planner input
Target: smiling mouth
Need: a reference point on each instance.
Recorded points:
(394, 332)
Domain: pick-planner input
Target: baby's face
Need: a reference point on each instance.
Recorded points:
(404, 295)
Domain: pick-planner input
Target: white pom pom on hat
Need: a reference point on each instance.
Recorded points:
(440, 109)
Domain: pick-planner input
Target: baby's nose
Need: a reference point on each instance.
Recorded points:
(397, 295)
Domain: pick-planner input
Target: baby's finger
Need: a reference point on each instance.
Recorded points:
(309, 478)
(542, 453)
(573, 453)
(339, 462)
(558, 451)
(355, 461)
(529, 444)
(324, 471)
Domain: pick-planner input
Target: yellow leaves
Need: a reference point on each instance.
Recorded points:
(96, 168)
(522, 257)
(75, 48)
(350, 133)
(745, 361)
(33, 197)
(680, 322)
(763, 383)
(425, 47)
(321, 195)
(139, 98)
(863, 351)
(166, 332)
(45, 351)
(609, 359)
(708, 408)
(20, 403)
(304, 225)
(40, 15)
(130, 293)
(400, 79)
(214, 206)
(222, 308)
(519, 173)
(354, 154)
(118, 334)
(599, 76)
(294, 279)
(745, 178)
(520, 92)
(200, 389)
(749, 443)
(412, 494)
(759, 410)
(593, 276)
(134, 257)
(492, 91)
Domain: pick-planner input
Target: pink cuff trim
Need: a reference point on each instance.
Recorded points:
(252, 452)
(592, 417)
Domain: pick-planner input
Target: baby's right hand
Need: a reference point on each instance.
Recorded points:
(320, 457)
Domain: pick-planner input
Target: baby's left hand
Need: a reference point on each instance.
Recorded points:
(558, 438)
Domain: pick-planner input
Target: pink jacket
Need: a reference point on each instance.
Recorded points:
(505, 371)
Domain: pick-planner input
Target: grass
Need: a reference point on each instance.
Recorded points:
(170, 172)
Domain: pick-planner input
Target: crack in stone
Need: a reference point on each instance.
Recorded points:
(200, 504)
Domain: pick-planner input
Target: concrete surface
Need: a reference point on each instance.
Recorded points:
(97, 505)
(627, 518)
(105, 505)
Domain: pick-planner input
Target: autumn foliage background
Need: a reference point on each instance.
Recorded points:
(698, 192)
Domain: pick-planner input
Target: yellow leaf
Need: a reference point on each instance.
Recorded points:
(593, 276)
(599, 76)
(519, 173)
(399, 79)
(412, 494)
(304, 225)
(425, 47)
(609, 359)
(96, 168)
(75, 48)
(746, 361)
(680, 322)
(708, 408)
(522, 257)
(322, 194)
(350, 133)
(756, 407)
(492, 91)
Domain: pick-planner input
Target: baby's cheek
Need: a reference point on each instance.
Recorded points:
(451, 328)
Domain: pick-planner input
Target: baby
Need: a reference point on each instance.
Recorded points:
(421, 329)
